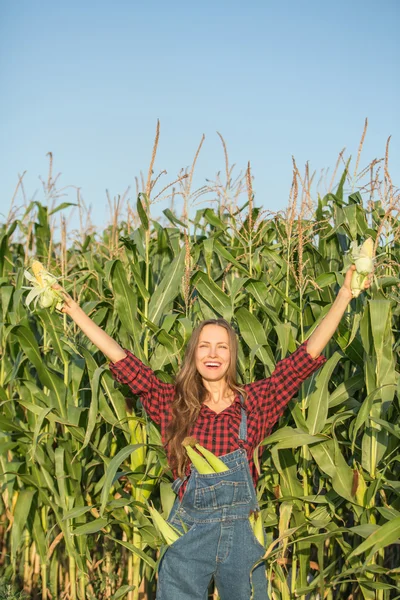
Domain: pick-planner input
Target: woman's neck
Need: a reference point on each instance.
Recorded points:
(219, 394)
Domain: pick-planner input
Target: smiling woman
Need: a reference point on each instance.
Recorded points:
(206, 402)
(207, 377)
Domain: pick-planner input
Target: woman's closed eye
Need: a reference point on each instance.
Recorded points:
(222, 346)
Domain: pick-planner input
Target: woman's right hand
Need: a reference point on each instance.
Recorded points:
(69, 304)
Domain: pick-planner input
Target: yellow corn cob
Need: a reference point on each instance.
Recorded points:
(216, 464)
(168, 532)
(257, 527)
(199, 462)
(38, 270)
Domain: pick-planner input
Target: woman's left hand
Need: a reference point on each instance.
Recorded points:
(346, 287)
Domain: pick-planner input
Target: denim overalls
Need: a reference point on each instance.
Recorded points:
(217, 539)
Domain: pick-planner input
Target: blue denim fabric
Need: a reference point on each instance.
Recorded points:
(217, 539)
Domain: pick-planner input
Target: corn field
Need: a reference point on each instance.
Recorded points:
(79, 459)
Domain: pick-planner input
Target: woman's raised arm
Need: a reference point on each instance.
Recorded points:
(100, 338)
(325, 330)
(155, 395)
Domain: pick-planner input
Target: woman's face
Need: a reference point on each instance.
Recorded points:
(213, 353)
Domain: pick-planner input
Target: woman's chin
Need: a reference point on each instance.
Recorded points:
(216, 375)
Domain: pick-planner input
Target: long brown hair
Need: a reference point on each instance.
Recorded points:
(190, 393)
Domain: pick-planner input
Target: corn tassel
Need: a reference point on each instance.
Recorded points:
(166, 530)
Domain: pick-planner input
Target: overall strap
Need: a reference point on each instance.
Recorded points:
(243, 422)
(178, 483)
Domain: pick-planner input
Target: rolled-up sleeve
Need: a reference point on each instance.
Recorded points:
(267, 398)
(155, 395)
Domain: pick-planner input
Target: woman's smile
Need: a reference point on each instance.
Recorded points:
(212, 364)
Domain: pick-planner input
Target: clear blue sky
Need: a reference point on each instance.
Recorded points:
(88, 79)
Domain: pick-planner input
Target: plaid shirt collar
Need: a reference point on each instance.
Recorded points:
(236, 401)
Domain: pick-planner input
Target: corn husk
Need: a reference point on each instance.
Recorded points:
(257, 527)
(362, 257)
(198, 461)
(216, 464)
(168, 533)
(42, 292)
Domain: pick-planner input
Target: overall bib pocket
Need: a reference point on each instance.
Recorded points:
(224, 494)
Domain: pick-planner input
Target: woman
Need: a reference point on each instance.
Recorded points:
(230, 420)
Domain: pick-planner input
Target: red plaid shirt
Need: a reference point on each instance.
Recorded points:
(266, 401)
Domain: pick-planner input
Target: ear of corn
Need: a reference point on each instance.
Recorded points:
(209, 464)
(199, 462)
(42, 291)
(362, 257)
(217, 464)
(257, 526)
(38, 271)
(169, 533)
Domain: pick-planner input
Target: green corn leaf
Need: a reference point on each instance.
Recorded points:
(346, 389)
(331, 461)
(60, 475)
(139, 282)
(123, 591)
(111, 471)
(21, 512)
(365, 410)
(394, 430)
(259, 291)
(379, 314)
(213, 219)
(76, 512)
(39, 422)
(387, 534)
(125, 301)
(170, 215)
(103, 406)
(168, 289)
(318, 401)
(287, 437)
(146, 559)
(61, 206)
(91, 527)
(213, 295)
(222, 251)
(38, 534)
(141, 211)
(253, 334)
(6, 292)
(94, 406)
